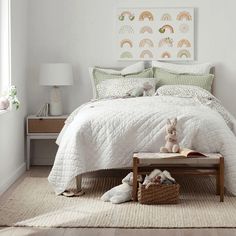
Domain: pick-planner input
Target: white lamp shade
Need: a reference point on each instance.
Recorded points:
(56, 74)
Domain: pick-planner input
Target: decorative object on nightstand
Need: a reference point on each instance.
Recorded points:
(42, 128)
(56, 74)
(43, 111)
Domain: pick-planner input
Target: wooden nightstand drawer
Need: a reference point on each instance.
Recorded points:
(45, 125)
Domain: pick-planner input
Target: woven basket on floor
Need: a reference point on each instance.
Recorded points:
(158, 194)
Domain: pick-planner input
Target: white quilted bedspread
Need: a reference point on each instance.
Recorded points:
(104, 134)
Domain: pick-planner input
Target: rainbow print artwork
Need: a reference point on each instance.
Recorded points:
(155, 34)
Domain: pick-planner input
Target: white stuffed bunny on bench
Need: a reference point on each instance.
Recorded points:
(171, 145)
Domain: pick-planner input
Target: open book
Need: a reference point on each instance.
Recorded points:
(184, 153)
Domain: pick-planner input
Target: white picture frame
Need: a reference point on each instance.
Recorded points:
(155, 34)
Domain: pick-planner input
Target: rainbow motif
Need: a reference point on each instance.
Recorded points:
(166, 17)
(122, 16)
(126, 41)
(146, 53)
(165, 42)
(184, 15)
(164, 28)
(146, 29)
(184, 28)
(184, 53)
(166, 55)
(146, 15)
(126, 55)
(126, 29)
(184, 42)
(146, 42)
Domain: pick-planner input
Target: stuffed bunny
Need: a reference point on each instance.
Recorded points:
(122, 192)
(157, 177)
(171, 137)
(140, 91)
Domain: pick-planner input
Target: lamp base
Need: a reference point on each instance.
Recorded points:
(55, 102)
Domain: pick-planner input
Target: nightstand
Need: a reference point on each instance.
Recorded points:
(42, 128)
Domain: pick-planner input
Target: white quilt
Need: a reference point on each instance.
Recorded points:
(104, 134)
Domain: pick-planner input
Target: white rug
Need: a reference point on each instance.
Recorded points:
(33, 203)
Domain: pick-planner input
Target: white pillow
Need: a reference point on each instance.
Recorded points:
(199, 69)
(121, 87)
(131, 69)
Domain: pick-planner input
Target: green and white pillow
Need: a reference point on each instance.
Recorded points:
(169, 78)
(99, 75)
(123, 86)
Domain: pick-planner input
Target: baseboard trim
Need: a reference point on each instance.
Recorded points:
(8, 182)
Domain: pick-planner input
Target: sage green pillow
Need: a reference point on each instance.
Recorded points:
(169, 78)
(99, 76)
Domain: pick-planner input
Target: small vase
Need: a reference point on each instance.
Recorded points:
(4, 103)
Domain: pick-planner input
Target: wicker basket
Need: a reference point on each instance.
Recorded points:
(158, 194)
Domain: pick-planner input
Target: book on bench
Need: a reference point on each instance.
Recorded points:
(183, 153)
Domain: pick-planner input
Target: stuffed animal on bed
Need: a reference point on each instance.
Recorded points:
(122, 192)
(140, 91)
(171, 137)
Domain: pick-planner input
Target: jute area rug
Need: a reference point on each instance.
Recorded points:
(33, 203)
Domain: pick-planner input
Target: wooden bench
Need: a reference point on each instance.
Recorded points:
(212, 165)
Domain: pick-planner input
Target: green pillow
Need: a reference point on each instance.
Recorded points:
(170, 78)
(99, 76)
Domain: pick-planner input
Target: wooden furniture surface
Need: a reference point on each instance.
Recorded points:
(42, 128)
(45, 125)
(212, 165)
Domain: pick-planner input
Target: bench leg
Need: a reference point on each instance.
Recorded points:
(135, 178)
(221, 173)
(218, 182)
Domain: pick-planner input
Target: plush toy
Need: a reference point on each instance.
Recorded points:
(122, 192)
(171, 137)
(157, 177)
(140, 91)
(146, 88)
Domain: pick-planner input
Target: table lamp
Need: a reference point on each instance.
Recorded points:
(56, 74)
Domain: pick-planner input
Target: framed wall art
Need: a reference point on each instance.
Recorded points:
(155, 34)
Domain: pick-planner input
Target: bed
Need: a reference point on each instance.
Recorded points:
(104, 133)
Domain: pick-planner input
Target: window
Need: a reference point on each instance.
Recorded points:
(5, 46)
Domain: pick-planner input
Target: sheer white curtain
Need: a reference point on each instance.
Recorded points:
(5, 45)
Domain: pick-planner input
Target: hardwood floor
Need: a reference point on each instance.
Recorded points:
(43, 171)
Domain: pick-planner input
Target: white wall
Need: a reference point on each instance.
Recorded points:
(81, 32)
(12, 163)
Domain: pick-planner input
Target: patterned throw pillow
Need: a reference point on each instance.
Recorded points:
(125, 86)
(170, 78)
(99, 76)
(183, 91)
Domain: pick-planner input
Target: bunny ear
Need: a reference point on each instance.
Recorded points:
(174, 121)
(168, 121)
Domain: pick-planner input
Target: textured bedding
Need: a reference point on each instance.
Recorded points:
(104, 134)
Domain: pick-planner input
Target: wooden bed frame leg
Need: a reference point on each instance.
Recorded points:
(135, 178)
(221, 170)
(78, 183)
